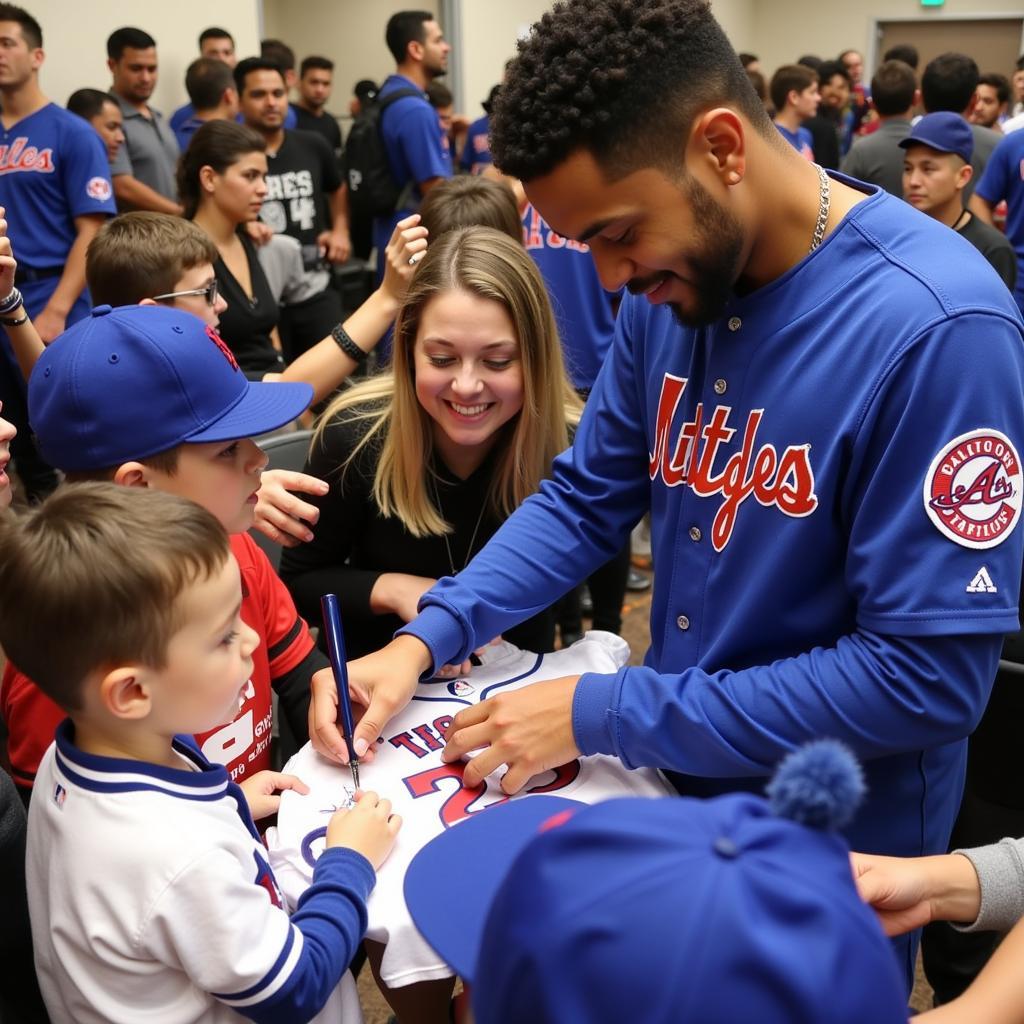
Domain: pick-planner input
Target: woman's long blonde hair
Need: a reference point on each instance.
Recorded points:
(489, 264)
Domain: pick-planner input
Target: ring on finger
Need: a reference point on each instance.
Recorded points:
(415, 258)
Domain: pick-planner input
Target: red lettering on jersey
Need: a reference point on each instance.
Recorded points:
(460, 804)
(19, 156)
(532, 237)
(405, 740)
(785, 482)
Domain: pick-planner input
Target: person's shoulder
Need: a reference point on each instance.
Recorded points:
(924, 266)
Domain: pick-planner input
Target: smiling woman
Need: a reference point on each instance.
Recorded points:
(425, 461)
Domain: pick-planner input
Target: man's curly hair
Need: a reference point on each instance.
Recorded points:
(623, 79)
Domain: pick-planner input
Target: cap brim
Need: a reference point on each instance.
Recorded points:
(917, 140)
(478, 852)
(263, 407)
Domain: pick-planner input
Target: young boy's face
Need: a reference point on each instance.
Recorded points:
(195, 279)
(222, 476)
(209, 659)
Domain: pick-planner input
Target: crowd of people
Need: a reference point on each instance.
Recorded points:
(650, 283)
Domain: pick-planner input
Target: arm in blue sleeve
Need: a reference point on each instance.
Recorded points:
(581, 516)
(331, 917)
(879, 694)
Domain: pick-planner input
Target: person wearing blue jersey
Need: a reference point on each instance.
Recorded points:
(55, 187)
(794, 93)
(816, 394)
(417, 149)
(1004, 179)
(476, 152)
(211, 87)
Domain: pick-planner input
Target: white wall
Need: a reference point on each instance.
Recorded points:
(75, 40)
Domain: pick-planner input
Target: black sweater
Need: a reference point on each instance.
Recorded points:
(354, 543)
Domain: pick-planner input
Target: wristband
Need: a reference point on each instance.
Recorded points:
(23, 319)
(11, 303)
(344, 341)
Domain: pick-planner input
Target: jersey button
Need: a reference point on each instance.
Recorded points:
(683, 622)
(695, 533)
(721, 386)
(735, 323)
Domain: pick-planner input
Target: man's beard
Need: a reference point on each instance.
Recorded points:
(714, 269)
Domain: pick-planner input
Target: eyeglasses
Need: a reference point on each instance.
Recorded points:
(210, 291)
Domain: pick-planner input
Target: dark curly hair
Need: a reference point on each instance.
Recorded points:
(622, 78)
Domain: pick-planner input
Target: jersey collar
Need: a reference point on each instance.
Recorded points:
(98, 774)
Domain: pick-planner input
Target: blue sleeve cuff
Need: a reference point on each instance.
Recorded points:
(592, 714)
(441, 631)
(344, 863)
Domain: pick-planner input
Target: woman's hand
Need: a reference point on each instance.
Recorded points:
(404, 250)
(279, 514)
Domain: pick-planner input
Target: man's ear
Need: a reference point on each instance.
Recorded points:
(964, 175)
(719, 139)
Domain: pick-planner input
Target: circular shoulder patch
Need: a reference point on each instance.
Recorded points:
(972, 491)
(98, 188)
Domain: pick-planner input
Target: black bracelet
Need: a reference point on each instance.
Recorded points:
(344, 341)
(15, 323)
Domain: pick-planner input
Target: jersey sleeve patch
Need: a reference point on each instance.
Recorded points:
(972, 490)
(98, 188)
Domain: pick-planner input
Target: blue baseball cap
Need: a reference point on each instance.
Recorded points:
(945, 131)
(656, 910)
(134, 381)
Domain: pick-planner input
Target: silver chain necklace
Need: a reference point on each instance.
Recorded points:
(824, 201)
(447, 544)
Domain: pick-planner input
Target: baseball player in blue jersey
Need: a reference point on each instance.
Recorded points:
(55, 186)
(816, 393)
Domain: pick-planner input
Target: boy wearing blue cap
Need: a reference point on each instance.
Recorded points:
(150, 893)
(936, 169)
(149, 396)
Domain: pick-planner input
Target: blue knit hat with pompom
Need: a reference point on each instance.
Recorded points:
(736, 909)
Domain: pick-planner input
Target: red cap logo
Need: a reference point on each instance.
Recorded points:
(225, 351)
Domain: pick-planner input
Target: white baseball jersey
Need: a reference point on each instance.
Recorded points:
(430, 795)
(152, 899)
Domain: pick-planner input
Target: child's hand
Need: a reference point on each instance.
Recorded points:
(368, 828)
(261, 792)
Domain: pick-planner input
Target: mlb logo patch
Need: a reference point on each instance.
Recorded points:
(98, 188)
(460, 688)
(60, 794)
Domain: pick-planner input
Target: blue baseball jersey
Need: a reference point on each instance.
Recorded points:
(833, 474)
(476, 154)
(583, 309)
(417, 150)
(53, 168)
(1004, 179)
(801, 140)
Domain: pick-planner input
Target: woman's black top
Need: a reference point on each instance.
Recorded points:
(354, 543)
(246, 324)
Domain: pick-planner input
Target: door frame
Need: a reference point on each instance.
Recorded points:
(876, 27)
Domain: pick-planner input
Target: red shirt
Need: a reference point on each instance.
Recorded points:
(244, 744)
